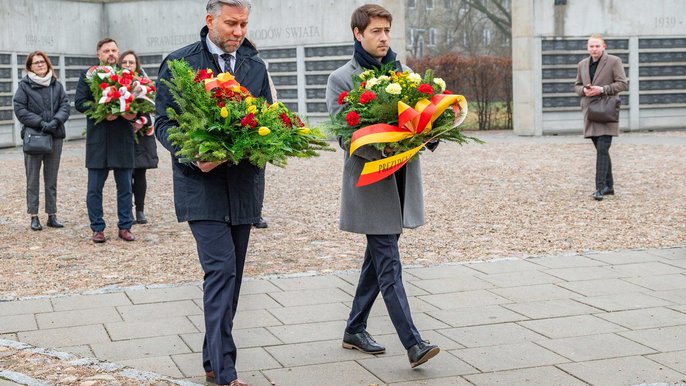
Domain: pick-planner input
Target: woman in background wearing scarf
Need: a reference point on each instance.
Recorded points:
(41, 104)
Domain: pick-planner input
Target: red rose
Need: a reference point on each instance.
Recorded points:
(286, 121)
(145, 81)
(221, 104)
(342, 96)
(103, 86)
(125, 80)
(353, 118)
(448, 92)
(116, 94)
(202, 75)
(425, 89)
(249, 120)
(367, 97)
(114, 77)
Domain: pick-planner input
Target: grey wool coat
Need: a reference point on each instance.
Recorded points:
(373, 209)
(610, 75)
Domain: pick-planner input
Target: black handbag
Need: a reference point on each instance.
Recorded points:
(36, 142)
(604, 109)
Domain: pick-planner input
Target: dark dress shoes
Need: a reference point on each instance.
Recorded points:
(53, 222)
(98, 237)
(598, 195)
(607, 191)
(422, 352)
(126, 235)
(35, 223)
(260, 224)
(362, 341)
(140, 217)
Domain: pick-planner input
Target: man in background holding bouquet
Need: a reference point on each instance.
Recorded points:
(380, 210)
(109, 145)
(219, 200)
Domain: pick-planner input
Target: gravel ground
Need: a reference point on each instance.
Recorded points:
(513, 196)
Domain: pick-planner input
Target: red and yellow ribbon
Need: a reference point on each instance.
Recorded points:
(411, 121)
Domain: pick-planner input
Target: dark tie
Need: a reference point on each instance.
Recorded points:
(227, 58)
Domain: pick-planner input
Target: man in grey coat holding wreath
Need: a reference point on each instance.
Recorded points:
(380, 210)
(598, 76)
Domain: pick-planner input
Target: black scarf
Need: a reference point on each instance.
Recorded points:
(369, 62)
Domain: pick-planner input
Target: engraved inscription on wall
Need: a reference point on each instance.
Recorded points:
(287, 34)
(170, 41)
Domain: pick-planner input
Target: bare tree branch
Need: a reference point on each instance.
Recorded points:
(502, 19)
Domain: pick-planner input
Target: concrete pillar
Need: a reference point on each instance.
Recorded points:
(633, 84)
(526, 83)
(300, 68)
(14, 66)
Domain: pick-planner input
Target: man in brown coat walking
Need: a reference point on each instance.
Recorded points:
(599, 76)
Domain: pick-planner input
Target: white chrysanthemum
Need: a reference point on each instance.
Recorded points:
(414, 78)
(441, 83)
(394, 88)
(371, 83)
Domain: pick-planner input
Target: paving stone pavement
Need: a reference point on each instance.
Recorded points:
(607, 318)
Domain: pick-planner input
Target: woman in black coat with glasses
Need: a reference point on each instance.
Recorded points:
(41, 104)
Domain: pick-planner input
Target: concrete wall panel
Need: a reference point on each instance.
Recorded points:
(51, 26)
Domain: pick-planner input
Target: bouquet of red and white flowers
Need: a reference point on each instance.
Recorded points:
(398, 113)
(219, 120)
(118, 92)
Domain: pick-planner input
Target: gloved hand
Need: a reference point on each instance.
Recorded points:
(433, 144)
(49, 127)
(54, 124)
(45, 126)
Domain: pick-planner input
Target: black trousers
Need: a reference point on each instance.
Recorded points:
(603, 164)
(382, 272)
(51, 166)
(221, 249)
(139, 185)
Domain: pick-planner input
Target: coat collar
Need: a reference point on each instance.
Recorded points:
(601, 64)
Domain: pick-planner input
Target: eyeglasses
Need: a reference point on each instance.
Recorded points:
(38, 63)
(128, 62)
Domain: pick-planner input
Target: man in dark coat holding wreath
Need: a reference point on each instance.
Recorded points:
(109, 146)
(220, 201)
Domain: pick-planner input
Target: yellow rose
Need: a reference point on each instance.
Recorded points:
(441, 83)
(249, 100)
(224, 77)
(224, 112)
(252, 109)
(394, 88)
(263, 131)
(304, 131)
(414, 78)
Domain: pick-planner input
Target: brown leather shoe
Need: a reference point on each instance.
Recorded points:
(126, 235)
(98, 237)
